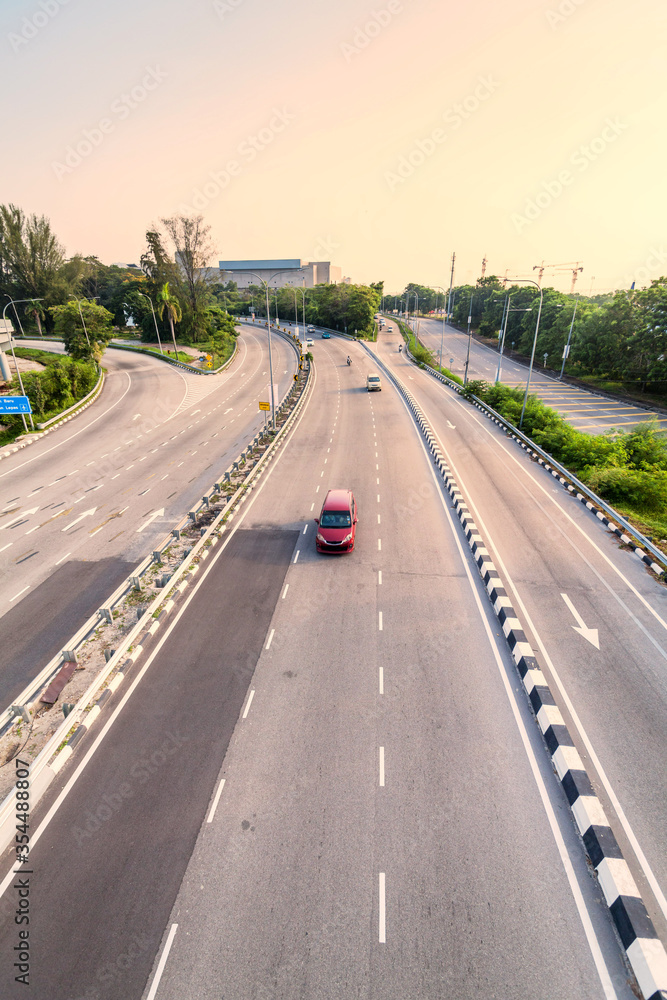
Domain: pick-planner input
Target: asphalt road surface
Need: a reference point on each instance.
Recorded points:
(389, 824)
(586, 411)
(80, 508)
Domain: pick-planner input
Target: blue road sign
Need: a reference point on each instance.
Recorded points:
(15, 404)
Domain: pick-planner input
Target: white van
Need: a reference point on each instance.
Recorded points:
(373, 382)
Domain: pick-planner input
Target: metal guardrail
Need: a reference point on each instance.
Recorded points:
(585, 491)
(31, 691)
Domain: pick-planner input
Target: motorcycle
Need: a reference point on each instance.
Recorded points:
(348, 360)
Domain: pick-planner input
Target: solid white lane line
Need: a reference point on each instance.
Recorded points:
(379, 621)
(271, 635)
(381, 680)
(381, 767)
(382, 919)
(214, 804)
(163, 961)
(19, 594)
(247, 708)
(575, 889)
(285, 591)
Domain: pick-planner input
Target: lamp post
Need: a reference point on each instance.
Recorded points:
(15, 302)
(81, 315)
(465, 377)
(442, 335)
(506, 314)
(265, 282)
(532, 354)
(154, 319)
(566, 352)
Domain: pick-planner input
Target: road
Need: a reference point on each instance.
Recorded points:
(584, 410)
(546, 544)
(80, 508)
(389, 824)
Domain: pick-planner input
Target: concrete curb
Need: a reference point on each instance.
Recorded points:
(646, 953)
(48, 430)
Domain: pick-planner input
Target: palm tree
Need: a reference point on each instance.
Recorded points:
(173, 309)
(36, 310)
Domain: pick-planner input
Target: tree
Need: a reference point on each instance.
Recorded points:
(98, 328)
(193, 247)
(35, 310)
(167, 303)
(32, 261)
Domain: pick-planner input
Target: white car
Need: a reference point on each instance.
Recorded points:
(373, 383)
(309, 341)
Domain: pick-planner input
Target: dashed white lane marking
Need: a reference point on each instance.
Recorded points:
(321, 473)
(312, 505)
(247, 708)
(165, 477)
(317, 490)
(228, 411)
(378, 497)
(6, 546)
(116, 476)
(62, 559)
(378, 518)
(379, 621)
(305, 528)
(143, 458)
(381, 767)
(19, 594)
(285, 591)
(379, 544)
(214, 804)
(381, 680)
(382, 919)
(128, 467)
(163, 961)
(380, 576)
(297, 555)
(378, 480)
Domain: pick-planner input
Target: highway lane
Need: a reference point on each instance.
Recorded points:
(389, 824)
(586, 411)
(381, 831)
(80, 508)
(546, 545)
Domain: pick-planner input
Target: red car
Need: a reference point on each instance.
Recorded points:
(337, 522)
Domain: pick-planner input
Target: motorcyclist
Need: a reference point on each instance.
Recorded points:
(348, 360)
(400, 348)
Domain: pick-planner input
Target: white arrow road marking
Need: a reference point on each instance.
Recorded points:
(228, 411)
(157, 513)
(195, 411)
(33, 510)
(86, 513)
(588, 633)
(453, 426)
(136, 417)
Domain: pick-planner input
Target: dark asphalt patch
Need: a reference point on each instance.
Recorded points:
(109, 866)
(40, 626)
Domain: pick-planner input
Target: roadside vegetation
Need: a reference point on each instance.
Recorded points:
(420, 353)
(618, 343)
(627, 469)
(62, 383)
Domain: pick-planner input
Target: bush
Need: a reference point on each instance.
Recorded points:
(645, 491)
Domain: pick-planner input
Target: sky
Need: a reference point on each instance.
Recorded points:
(381, 136)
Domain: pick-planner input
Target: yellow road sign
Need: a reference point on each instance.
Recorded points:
(264, 406)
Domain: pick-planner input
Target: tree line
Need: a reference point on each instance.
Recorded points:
(618, 337)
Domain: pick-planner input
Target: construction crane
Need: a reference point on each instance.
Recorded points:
(573, 267)
(484, 262)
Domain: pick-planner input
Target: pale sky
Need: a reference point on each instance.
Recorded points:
(380, 136)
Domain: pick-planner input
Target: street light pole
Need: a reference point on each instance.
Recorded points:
(81, 315)
(265, 282)
(566, 352)
(154, 319)
(14, 303)
(465, 377)
(532, 355)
